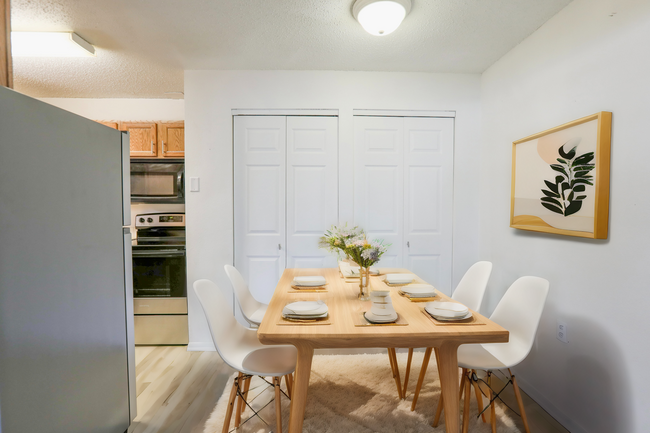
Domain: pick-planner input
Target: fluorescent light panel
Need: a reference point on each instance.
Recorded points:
(50, 44)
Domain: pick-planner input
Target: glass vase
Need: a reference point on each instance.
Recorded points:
(364, 284)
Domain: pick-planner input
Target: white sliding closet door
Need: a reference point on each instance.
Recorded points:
(285, 195)
(428, 198)
(379, 182)
(404, 191)
(259, 201)
(312, 189)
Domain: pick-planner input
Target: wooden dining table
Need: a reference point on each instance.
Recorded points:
(341, 331)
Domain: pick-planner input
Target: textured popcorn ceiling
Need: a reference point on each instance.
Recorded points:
(143, 46)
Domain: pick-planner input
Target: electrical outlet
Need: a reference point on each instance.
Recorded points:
(562, 332)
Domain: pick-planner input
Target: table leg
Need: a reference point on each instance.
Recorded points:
(300, 385)
(448, 365)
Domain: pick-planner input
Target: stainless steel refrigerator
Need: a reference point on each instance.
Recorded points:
(66, 298)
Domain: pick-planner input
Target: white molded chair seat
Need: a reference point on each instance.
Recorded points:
(258, 315)
(240, 348)
(252, 310)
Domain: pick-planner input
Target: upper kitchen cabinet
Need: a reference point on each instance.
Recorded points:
(143, 138)
(172, 139)
(109, 124)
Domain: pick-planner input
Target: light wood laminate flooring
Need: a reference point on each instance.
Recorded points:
(177, 390)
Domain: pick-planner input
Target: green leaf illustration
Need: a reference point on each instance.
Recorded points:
(550, 193)
(553, 208)
(562, 195)
(551, 186)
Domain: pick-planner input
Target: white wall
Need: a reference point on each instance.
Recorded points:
(211, 95)
(580, 62)
(122, 109)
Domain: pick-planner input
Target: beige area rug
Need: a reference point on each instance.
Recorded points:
(356, 393)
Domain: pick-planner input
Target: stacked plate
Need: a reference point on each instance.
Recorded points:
(309, 281)
(382, 310)
(399, 278)
(447, 311)
(305, 310)
(419, 291)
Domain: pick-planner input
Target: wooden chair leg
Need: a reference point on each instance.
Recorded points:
(287, 381)
(479, 398)
(240, 405)
(493, 413)
(520, 402)
(231, 404)
(393, 361)
(278, 404)
(423, 372)
(463, 375)
(408, 371)
(468, 394)
(439, 407)
(247, 385)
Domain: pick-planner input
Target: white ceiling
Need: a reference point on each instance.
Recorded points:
(143, 46)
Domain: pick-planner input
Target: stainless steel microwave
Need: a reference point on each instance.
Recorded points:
(157, 181)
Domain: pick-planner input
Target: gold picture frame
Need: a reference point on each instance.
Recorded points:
(560, 179)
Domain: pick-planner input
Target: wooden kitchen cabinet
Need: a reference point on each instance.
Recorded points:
(143, 138)
(109, 124)
(156, 140)
(171, 137)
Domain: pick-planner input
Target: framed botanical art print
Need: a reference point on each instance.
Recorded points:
(560, 179)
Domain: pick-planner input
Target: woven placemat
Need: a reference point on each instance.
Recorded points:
(474, 320)
(416, 299)
(308, 289)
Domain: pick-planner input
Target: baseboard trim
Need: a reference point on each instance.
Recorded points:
(201, 346)
(549, 407)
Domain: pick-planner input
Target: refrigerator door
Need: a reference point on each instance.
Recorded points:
(130, 328)
(126, 179)
(63, 336)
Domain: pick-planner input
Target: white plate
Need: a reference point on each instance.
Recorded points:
(447, 308)
(305, 307)
(314, 281)
(373, 318)
(424, 290)
(451, 319)
(399, 278)
(305, 316)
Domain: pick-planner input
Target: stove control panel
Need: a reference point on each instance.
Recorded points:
(160, 220)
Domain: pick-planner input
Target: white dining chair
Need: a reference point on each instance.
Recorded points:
(239, 347)
(519, 311)
(252, 310)
(469, 292)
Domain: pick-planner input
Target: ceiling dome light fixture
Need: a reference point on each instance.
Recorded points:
(380, 17)
(50, 44)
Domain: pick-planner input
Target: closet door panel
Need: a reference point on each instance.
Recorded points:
(312, 188)
(428, 201)
(379, 184)
(259, 201)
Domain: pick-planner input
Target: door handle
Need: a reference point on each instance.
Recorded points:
(279, 246)
(408, 244)
(163, 146)
(152, 151)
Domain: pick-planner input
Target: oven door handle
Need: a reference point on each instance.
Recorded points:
(159, 253)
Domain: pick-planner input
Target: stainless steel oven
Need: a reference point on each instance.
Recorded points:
(157, 181)
(160, 280)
